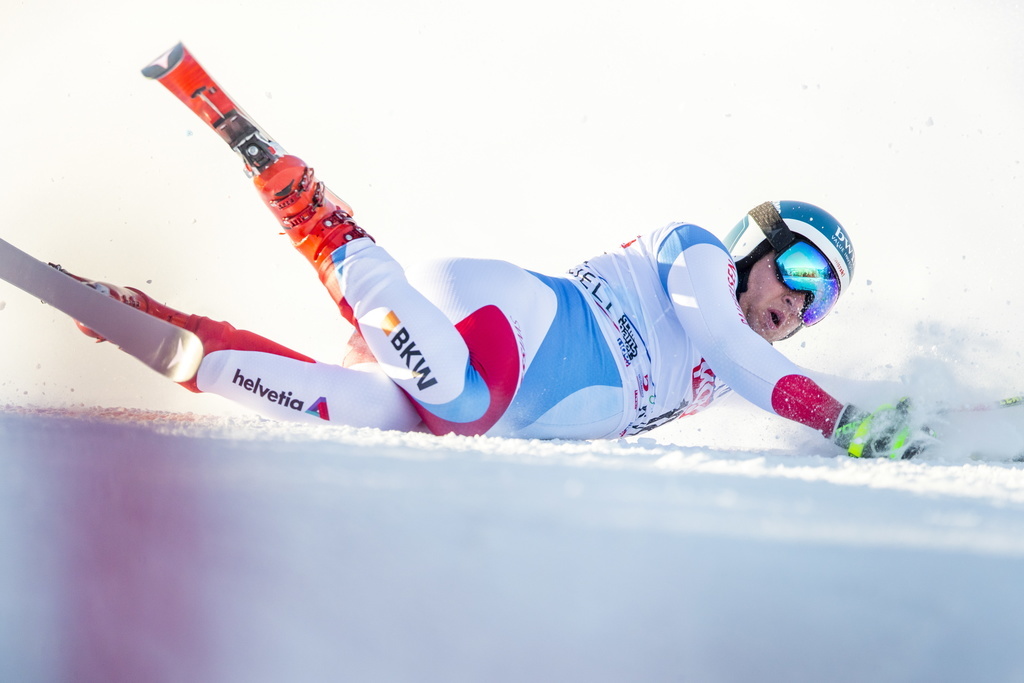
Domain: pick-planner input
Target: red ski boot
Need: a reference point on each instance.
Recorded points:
(314, 219)
(215, 335)
(317, 221)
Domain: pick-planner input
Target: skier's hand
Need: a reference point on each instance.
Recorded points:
(885, 433)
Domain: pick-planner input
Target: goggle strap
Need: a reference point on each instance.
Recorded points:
(773, 226)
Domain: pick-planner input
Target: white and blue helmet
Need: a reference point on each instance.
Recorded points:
(813, 251)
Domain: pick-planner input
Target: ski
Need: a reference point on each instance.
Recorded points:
(286, 184)
(1008, 402)
(179, 72)
(171, 351)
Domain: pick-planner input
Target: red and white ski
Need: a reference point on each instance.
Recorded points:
(171, 351)
(179, 72)
(312, 216)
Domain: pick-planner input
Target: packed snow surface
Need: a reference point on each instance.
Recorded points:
(164, 547)
(149, 534)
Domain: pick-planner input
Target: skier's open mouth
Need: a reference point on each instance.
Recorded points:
(775, 318)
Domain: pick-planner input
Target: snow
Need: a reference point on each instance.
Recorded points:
(178, 547)
(151, 534)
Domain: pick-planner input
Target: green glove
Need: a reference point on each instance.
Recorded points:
(885, 433)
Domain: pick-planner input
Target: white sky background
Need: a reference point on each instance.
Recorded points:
(539, 132)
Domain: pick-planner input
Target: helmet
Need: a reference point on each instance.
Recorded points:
(789, 229)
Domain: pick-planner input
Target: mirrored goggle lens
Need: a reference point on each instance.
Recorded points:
(805, 269)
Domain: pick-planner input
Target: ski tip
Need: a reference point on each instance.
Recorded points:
(165, 63)
(179, 357)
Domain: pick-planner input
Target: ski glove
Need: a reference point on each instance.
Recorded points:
(885, 433)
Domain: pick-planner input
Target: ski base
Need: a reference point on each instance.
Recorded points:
(172, 351)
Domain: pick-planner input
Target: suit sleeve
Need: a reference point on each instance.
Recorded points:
(700, 278)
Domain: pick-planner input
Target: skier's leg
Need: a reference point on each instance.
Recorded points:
(462, 371)
(570, 385)
(284, 388)
(417, 346)
(483, 346)
(275, 381)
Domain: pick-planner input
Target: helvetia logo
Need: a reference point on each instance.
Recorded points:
(402, 341)
(281, 398)
(319, 408)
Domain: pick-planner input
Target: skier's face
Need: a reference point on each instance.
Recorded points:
(772, 309)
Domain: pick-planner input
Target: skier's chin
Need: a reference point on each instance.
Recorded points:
(769, 332)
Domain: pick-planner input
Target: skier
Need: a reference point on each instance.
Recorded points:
(621, 344)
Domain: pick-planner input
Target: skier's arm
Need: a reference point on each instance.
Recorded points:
(700, 279)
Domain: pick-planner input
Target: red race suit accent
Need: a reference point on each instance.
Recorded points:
(494, 353)
(798, 398)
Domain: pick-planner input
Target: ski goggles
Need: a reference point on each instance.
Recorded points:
(803, 268)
